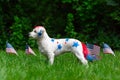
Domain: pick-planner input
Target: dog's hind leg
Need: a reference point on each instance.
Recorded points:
(80, 56)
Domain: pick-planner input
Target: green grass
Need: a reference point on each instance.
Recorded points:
(65, 67)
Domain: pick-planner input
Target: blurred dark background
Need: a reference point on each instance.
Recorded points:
(92, 21)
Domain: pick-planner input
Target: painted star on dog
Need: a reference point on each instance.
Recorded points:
(67, 39)
(52, 40)
(59, 46)
(75, 44)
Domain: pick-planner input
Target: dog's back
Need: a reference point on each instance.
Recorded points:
(63, 45)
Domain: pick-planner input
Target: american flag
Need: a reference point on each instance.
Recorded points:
(93, 49)
(10, 49)
(28, 50)
(107, 49)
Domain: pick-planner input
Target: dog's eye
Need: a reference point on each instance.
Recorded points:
(35, 31)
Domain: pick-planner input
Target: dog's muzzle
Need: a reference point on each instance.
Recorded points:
(29, 34)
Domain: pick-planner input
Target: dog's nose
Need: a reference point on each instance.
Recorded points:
(29, 34)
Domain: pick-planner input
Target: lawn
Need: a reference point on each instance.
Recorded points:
(65, 67)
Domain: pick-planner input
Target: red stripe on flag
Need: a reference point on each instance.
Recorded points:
(10, 50)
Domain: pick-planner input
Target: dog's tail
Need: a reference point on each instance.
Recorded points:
(85, 50)
(88, 56)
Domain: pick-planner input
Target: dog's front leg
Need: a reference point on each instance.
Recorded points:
(51, 57)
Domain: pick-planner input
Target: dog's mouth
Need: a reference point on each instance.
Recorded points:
(30, 35)
(33, 35)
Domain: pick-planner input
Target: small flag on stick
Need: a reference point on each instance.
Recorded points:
(107, 49)
(28, 50)
(93, 49)
(94, 52)
(10, 49)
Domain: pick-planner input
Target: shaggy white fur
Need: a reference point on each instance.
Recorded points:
(52, 47)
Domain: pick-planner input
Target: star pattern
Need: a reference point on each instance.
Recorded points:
(67, 39)
(59, 46)
(52, 40)
(75, 44)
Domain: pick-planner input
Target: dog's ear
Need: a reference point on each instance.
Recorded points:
(40, 33)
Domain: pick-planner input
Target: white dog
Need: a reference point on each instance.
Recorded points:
(52, 47)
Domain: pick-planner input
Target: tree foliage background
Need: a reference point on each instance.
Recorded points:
(93, 21)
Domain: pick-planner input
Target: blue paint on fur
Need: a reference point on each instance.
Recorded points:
(67, 39)
(59, 46)
(40, 33)
(75, 44)
(52, 40)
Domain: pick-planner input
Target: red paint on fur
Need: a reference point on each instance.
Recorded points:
(85, 50)
(65, 42)
(38, 26)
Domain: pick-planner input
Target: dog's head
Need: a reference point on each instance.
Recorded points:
(37, 32)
